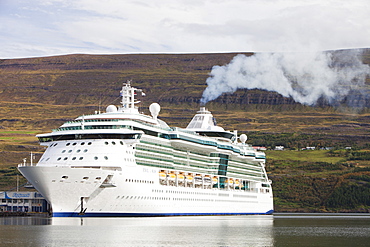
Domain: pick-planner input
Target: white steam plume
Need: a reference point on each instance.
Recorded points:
(305, 77)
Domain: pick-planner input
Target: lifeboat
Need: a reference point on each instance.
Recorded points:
(180, 179)
(162, 177)
(214, 180)
(189, 180)
(229, 181)
(171, 178)
(198, 179)
(207, 182)
(237, 183)
(207, 179)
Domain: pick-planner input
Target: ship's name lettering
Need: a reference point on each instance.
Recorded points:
(21, 195)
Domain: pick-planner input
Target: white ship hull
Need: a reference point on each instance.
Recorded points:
(136, 191)
(124, 163)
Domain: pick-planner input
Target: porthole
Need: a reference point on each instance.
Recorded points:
(59, 158)
(64, 177)
(65, 158)
(96, 158)
(106, 143)
(85, 178)
(81, 158)
(121, 142)
(74, 144)
(63, 151)
(69, 151)
(106, 157)
(68, 144)
(85, 150)
(74, 158)
(114, 143)
(98, 178)
(89, 143)
(79, 150)
(82, 143)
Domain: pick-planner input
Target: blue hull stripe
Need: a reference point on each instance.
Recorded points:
(74, 214)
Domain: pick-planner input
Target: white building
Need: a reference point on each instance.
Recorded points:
(23, 202)
(279, 148)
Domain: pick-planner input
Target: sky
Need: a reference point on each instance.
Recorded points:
(39, 28)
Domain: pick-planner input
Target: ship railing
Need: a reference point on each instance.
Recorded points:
(184, 130)
(27, 164)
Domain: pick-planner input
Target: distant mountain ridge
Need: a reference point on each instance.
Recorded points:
(95, 79)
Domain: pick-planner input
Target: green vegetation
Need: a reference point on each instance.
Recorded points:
(320, 181)
(39, 94)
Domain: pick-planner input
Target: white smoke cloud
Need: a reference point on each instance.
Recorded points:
(305, 77)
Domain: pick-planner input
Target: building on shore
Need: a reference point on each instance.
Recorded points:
(23, 201)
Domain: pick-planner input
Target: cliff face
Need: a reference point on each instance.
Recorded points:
(96, 79)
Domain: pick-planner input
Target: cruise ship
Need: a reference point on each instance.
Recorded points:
(124, 163)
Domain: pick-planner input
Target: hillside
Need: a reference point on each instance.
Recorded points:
(39, 94)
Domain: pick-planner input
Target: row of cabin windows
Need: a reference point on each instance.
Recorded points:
(70, 151)
(114, 143)
(139, 181)
(73, 144)
(83, 143)
(95, 158)
(177, 199)
(85, 178)
(80, 158)
(185, 192)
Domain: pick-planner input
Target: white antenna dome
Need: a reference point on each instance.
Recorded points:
(154, 109)
(111, 108)
(243, 138)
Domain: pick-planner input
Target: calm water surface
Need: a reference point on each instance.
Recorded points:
(278, 230)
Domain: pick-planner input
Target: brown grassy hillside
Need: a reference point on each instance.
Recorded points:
(39, 94)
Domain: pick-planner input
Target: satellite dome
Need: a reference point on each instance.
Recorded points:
(243, 138)
(154, 109)
(111, 108)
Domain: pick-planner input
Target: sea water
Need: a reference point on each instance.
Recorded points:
(255, 230)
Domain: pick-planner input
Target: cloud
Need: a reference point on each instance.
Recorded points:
(40, 27)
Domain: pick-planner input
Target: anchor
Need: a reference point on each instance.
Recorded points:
(83, 210)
